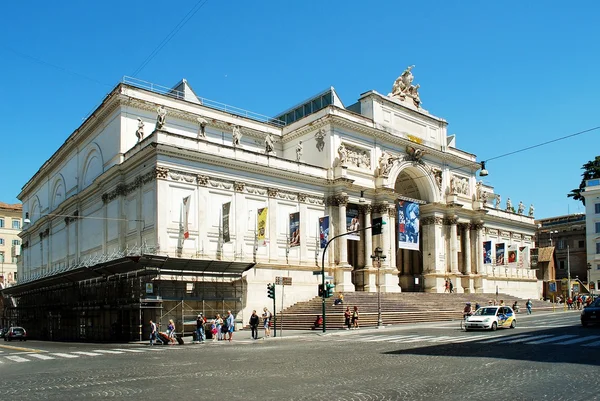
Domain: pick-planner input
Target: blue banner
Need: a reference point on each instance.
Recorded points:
(408, 225)
(323, 231)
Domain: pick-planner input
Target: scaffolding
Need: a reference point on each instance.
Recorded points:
(114, 300)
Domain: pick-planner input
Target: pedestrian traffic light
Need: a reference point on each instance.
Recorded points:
(271, 290)
(321, 290)
(329, 292)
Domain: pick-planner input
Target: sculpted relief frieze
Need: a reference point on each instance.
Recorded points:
(124, 189)
(459, 185)
(358, 157)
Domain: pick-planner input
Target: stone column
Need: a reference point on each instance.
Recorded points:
(400, 261)
(368, 236)
(383, 209)
(342, 202)
(388, 277)
(466, 228)
(452, 221)
(479, 247)
(393, 246)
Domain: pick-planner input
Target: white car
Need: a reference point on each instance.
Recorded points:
(491, 317)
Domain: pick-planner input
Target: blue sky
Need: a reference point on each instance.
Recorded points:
(505, 75)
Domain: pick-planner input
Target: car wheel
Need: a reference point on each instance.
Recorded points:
(494, 326)
(467, 329)
(513, 324)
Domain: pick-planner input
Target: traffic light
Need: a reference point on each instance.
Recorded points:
(321, 290)
(271, 290)
(329, 292)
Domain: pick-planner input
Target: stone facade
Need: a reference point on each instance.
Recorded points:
(10, 243)
(592, 221)
(108, 189)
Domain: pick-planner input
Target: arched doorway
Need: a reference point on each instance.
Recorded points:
(412, 184)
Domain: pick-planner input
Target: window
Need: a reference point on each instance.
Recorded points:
(1, 257)
(582, 244)
(16, 224)
(16, 242)
(1, 241)
(15, 275)
(597, 208)
(561, 265)
(561, 244)
(1, 223)
(597, 267)
(597, 247)
(14, 259)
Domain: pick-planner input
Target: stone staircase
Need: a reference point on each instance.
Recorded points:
(396, 308)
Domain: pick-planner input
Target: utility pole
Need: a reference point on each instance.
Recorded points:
(568, 271)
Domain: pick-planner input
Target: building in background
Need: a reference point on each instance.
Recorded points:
(10, 242)
(162, 198)
(591, 193)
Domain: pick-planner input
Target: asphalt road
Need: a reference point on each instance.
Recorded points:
(548, 356)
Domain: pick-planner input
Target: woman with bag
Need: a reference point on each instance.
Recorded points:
(219, 324)
(355, 318)
(347, 316)
(171, 331)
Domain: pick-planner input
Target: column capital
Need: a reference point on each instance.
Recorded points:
(450, 221)
(425, 221)
(272, 192)
(382, 208)
(366, 209)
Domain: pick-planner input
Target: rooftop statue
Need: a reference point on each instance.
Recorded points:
(161, 117)
(403, 87)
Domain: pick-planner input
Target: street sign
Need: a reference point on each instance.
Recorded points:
(287, 280)
(317, 273)
(552, 286)
(278, 280)
(328, 277)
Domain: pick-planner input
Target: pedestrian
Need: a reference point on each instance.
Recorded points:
(219, 324)
(477, 306)
(451, 286)
(446, 286)
(267, 321)
(569, 303)
(347, 317)
(501, 302)
(171, 331)
(152, 332)
(230, 325)
(355, 318)
(528, 305)
(200, 329)
(317, 323)
(254, 325)
(213, 329)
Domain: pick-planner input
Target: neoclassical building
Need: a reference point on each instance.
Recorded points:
(181, 192)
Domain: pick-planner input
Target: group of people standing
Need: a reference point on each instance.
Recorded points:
(255, 320)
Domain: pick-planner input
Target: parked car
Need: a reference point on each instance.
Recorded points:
(15, 333)
(492, 317)
(591, 313)
(2, 331)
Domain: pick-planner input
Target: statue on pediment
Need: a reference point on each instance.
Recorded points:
(403, 87)
(269, 144)
(521, 208)
(236, 136)
(299, 150)
(140, 131)
(531, 210)
(320, 137)
(343, 154)
(161, 117)
(201, 127)
(386, 161)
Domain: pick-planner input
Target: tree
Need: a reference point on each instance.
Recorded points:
(591, 170)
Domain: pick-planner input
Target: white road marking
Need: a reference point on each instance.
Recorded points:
(17, 358)
(128, 350)
(401, 339)
(520, 340)
(504, 338)
(470, 338)
(548, 340)
(594, 344)
(108, 351)
(578, 340)
(40, 356)
(63, 355)
(86, 353)
(421, 338)
(380, 338)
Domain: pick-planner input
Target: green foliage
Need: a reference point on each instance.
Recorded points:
(591, 170)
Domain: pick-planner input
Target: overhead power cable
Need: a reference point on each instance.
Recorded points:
(170, 36)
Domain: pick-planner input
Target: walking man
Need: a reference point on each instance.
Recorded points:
(200, 328)
(528, 305)
(266, 321)
(230, 324)
(254, 325)
(152, 332)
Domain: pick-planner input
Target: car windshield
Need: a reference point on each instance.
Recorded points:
(18, 330)
(486, 311)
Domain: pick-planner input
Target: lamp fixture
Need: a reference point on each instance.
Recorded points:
(483, 172)
(362, 197)
(26, 219)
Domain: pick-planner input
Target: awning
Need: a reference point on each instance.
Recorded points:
(139, 265)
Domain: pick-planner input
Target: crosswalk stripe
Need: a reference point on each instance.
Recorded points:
(421, 338)
(503, 338)
(469, 338)
(128, 350)
(16, 358)
(524, 339)
(379, 338)
(440, 339)
(108, 351)
(594, 344)
(578, 340)
(87, 353)
(401, 339)
(63, 355)
(551, 339)
(40, 356)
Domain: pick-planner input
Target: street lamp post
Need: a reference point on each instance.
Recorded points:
(550, 233)
(377, 225)
(569, 271)
(589, 269)
(378, 256)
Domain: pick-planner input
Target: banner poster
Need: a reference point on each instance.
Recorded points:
(533, 257)
(323, 231)
(512, 254)
(261, 226)
(523, 255)
(500, 250)
(225, 221)
(352, 223)
(186, 213)
(408, 225)
(294, 229)
(487, 252)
